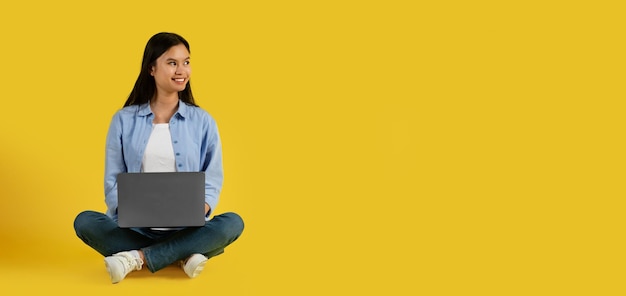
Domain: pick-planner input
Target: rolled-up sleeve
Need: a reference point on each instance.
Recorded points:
(114, 164)
(212, 164)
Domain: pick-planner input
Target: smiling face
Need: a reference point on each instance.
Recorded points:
(171, 71)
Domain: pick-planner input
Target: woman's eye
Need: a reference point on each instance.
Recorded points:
(172, 63)
(186, 62)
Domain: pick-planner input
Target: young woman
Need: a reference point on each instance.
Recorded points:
(161, 129)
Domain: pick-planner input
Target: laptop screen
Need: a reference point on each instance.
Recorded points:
(168, 199)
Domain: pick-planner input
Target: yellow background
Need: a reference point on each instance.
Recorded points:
(372, 147)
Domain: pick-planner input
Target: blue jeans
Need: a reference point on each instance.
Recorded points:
(160, 249)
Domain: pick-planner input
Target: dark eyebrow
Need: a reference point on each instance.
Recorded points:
(173, 59)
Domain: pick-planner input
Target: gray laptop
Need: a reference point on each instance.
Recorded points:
(160, 199)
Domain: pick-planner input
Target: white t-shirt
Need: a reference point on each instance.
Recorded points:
(159, 154)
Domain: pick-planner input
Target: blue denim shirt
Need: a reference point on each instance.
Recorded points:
(196, 141)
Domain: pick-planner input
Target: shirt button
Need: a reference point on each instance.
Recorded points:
(177, 154)
(180, 165)
(175, 142)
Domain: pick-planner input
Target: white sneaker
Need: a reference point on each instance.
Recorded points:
(121, 264)
(194, 265)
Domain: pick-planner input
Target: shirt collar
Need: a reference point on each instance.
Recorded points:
(183, 109)
(144, 109)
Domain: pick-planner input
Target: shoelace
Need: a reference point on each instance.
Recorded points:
(130, 259)
(139, 263)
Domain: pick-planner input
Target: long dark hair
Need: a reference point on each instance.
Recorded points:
(145, 85)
